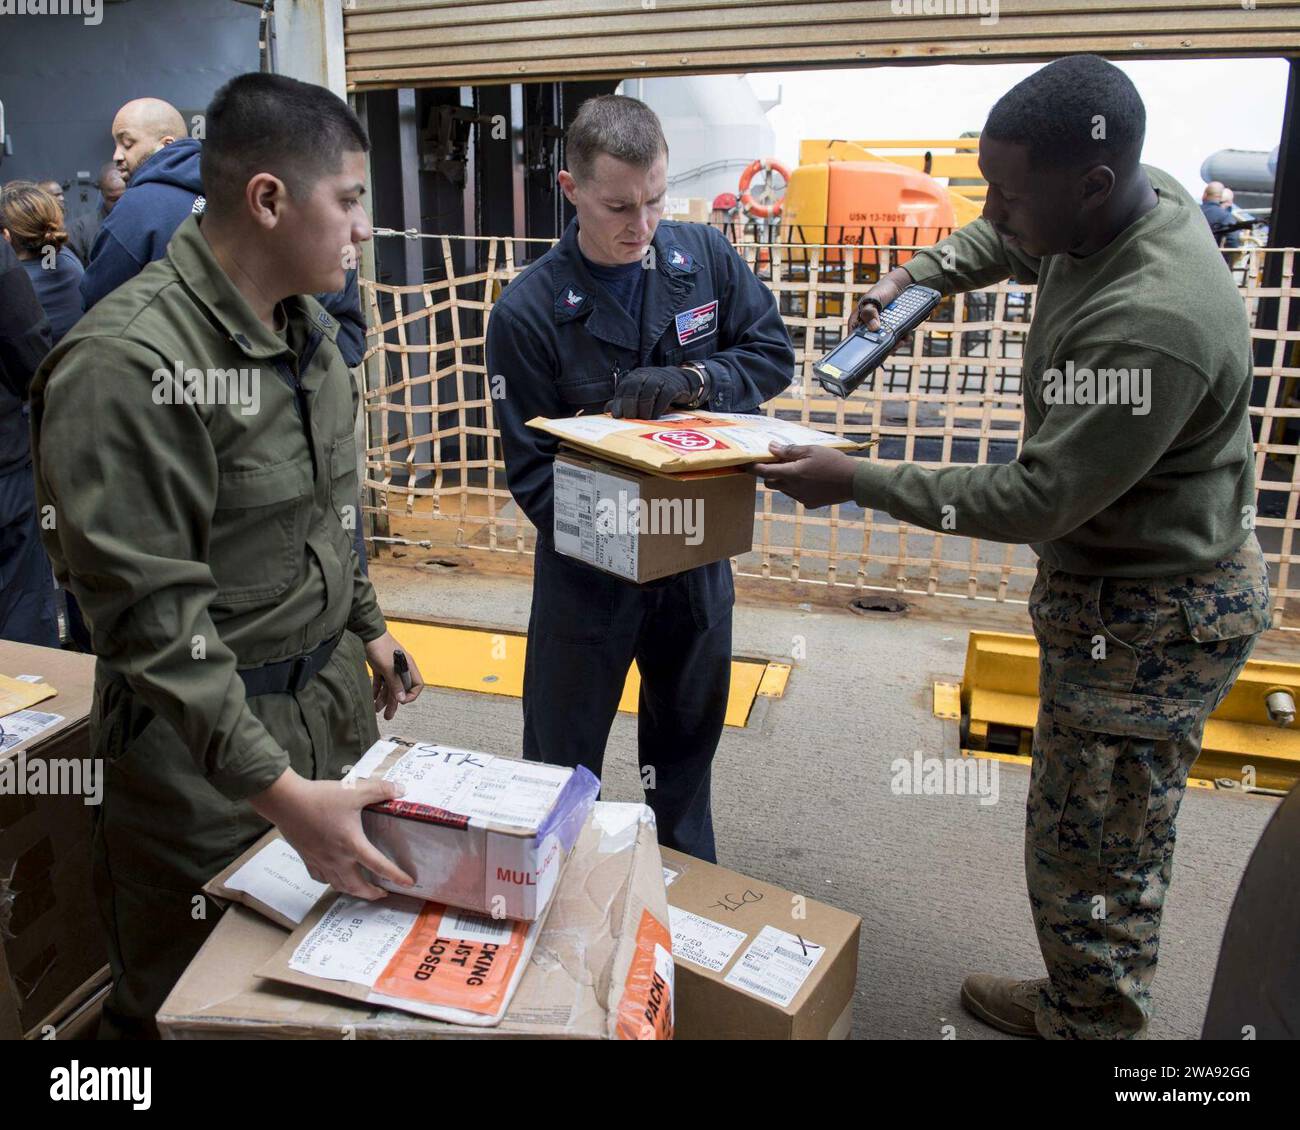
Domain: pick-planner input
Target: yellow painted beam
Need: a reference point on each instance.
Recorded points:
(488, 662)
(774, 680)
(1000, 688)
(947, 701)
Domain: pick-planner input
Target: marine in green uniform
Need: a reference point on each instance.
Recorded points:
(196, 470)
(1135, 487)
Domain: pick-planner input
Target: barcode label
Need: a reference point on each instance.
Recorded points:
(570, 528)
(759, 988)
(466, 927)
(776, 965)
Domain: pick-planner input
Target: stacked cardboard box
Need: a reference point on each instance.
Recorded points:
(601, 967)
(648, 499)
(52, 951)
(755, 962)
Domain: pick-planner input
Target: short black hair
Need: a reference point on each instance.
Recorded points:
(1075, 112)
(265, 123)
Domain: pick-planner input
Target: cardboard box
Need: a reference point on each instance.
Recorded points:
(642, 525)
(686, 441)
(601, 970)
(49, 926)
(487, 834)
(691, 209)
(755, 962)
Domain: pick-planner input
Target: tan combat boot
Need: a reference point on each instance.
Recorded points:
(1003, 1002)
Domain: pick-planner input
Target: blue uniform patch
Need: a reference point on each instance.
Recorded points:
(679, 258)
(572, 299)
(698, 323)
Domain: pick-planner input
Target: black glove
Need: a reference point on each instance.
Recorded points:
(646, 394)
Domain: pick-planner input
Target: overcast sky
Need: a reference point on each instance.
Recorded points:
(1194, 106)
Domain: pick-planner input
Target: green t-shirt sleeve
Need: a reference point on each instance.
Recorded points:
(971, 258)
(1082, 458)
(130, 485)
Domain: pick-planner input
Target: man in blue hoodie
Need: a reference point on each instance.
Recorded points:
(160, 163)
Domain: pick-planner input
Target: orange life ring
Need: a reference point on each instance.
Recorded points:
(763, 211)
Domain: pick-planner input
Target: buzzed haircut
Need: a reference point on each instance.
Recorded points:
(1074, 113)
(107, 171)
(625, 128)
(265, 123)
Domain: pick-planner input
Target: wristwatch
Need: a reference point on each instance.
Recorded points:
(705, 392)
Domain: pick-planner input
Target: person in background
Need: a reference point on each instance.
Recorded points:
(1218, 215)
(1239, 215)
(27, 608)
(160, 166)
(83, 230)
(55, 189)
(32, 224)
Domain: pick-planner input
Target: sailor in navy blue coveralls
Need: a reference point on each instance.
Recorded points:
(557, 335)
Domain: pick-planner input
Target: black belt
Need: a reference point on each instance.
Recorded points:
(288, 676)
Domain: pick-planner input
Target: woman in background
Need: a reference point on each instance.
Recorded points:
(32, 222)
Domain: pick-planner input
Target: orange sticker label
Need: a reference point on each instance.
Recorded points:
(436, 965)
(646, 1009)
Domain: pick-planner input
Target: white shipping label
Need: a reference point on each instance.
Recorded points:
(436, 775)
(17, 727)
(277, 877)
(478, 785)
(758, 431)
(775, 965)
(355, 939)
(597, 518)
(701, 941)
(518, 793)
(574, 495)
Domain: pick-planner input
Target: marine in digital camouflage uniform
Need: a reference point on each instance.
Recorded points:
(1134, 485)
(1129, 670)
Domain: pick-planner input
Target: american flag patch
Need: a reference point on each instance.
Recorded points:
(695, 324)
